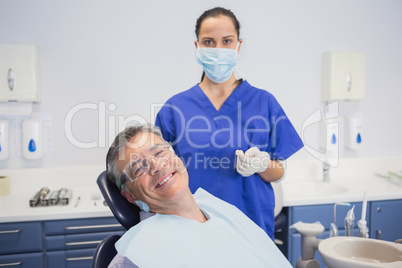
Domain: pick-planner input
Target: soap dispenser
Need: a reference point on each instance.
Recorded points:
(353, 132)
(329, 134)
(32, 138)
(329, 140)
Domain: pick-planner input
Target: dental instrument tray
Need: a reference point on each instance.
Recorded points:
(44, 197)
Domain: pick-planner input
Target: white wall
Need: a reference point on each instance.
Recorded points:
(137, 53)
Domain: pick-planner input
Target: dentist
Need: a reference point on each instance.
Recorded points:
(232, 137)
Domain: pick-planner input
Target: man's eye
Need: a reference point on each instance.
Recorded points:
(158, 153)
(137, 170)
(162, 153)
(139, 167)
(133, 165)
(134, 171)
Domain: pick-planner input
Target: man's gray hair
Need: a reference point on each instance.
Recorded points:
(123, 139)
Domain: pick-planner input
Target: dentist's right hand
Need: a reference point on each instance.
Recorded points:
(252, 161)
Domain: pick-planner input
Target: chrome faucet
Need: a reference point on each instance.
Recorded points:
(325, 177)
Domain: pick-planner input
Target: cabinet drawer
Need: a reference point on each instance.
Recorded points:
(20, 237)
(76, 241)
(386, 220)
(26, 260)
(70, 258)
(79, 226)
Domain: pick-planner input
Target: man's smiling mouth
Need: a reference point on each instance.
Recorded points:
(165, 180)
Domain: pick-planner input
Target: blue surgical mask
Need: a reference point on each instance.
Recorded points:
(218, 63)
(143, 206)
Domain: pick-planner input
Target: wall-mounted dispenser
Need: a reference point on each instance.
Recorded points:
(353, 132)
(329, 128)
(19, 73)
(329, 134)
(329, 138)
(32, 138)
(343, 76)
(4, 139)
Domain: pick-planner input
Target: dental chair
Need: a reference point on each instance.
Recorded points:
(280, 215)
(126, 213)
(105, 252)
(129, 215)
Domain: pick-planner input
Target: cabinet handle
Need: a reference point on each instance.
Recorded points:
(79, 258)
(378, 234)
(10, 264)
(10, 232)
(378, 209)
(92, 226)
(82, 243)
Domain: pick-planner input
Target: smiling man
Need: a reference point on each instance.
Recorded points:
(180, 229)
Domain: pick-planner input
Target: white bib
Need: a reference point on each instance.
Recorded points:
(227, 239)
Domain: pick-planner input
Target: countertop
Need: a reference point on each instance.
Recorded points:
(352, 190)
(352, 176)
(26, 182)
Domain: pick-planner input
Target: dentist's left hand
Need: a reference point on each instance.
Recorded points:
(252, 161)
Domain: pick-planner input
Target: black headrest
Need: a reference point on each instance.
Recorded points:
(126, 213)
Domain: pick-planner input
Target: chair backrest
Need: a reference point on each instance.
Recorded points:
(126, 213)
(280, 215)
(278, 191)
(105, 252)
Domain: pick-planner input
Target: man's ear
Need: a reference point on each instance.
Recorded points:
(130, 198)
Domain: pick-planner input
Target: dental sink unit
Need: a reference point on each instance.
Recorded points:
(346, 251)
(360, 252)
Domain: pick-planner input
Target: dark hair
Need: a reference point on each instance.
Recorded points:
(216, 12)
(213, 13)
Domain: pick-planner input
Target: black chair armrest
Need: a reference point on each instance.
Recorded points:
(105, 252)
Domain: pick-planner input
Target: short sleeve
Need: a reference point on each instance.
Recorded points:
(165, 121)
(284, 139)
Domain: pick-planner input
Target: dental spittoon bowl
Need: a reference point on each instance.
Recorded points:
(357, 252)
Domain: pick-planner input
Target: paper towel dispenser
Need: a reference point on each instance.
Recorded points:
(19, 73)
(343, 76)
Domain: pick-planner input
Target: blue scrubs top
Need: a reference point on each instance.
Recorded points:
(206, 140)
